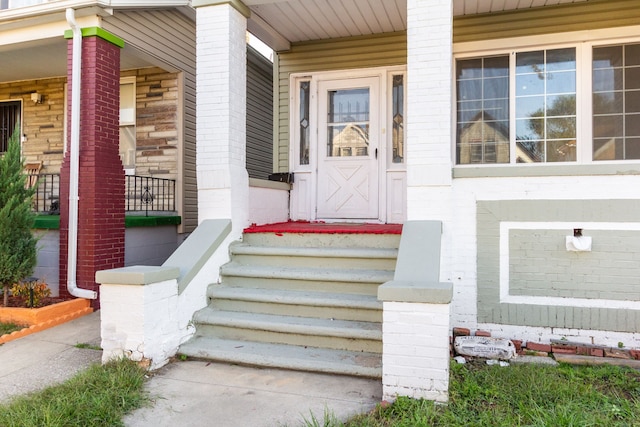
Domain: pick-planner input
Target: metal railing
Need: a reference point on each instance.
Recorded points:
(142, 194)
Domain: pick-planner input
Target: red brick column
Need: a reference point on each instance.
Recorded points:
(101, 181)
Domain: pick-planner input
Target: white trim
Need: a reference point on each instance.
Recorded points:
(505, 297)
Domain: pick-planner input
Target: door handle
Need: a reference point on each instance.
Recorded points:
(376, 153)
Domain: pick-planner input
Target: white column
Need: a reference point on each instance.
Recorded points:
(415, 353)
(429, 108)
(223, 182)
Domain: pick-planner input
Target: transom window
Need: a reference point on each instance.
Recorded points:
(523, 106)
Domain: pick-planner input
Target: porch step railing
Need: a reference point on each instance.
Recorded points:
(143, 194)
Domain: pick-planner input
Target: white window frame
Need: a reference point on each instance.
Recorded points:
(584, 42)
(132, 81)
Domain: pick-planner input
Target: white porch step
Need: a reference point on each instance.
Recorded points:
(306, 274)
(283, 356)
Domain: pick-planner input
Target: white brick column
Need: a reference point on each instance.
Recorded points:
(415, 351)
(429, 103)
(223, 182)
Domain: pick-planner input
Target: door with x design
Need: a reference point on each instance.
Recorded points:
(348, 135)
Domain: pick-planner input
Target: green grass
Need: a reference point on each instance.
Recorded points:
(86, 345)
(519, 395)
(98, 396)
(7, 328)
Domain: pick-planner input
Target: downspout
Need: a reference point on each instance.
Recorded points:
(74, 169)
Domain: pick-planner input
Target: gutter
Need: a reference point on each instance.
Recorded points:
(74, 170)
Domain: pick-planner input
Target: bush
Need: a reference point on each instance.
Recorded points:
(32, 291)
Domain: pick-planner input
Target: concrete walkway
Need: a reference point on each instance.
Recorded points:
(190, 393)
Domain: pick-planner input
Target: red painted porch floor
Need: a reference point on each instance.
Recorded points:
(326, 228)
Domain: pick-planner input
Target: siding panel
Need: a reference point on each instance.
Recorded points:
(595, 14)
(259, 115)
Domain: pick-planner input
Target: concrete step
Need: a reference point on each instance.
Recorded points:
(299, 358)
(296, 303)
(315, 257)
(363, 282)
(305, 331)
(322, 240)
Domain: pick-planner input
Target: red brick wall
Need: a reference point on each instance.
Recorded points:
(101, 184)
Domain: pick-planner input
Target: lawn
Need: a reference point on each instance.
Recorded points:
(98, 396)
(520, 395)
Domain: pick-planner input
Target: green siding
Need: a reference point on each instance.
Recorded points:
(540, 265)
(591, 15)
(613, 277)
(330, 55)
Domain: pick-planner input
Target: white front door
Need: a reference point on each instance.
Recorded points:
(348, 145)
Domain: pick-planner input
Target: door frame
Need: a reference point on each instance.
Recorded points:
(304, 190)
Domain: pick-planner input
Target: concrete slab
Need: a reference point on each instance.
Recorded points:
(48, 357)
(198, 393)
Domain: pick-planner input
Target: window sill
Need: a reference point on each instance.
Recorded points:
(564, 169)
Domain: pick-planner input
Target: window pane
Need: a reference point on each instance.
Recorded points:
(530, 62)
(496, 88)
(632, 102)
(496, 67)
(469, 69)
(563, 127)
(607, 149)
(606, 57)
(529, 129)
(348, 122)
(470, 89)
(496, 109)
(561, 59)
(398, 119)
(607, 102)
(128, 146)
(632, 78)
(530, 106)
(529, 84)
(632, 148)
(127, 104)
(607, 80)
(304, 123)
(561, 151)
(607, 126)
(561, 105)
(632, 55)
(561, 82)
(632, 125)
(529, 151)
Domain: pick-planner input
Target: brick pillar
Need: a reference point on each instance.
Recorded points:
(223, 182)
(101, 182)
(429, 102)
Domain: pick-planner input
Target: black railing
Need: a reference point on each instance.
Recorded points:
(47, 196)
(142, 194)
(148, 194)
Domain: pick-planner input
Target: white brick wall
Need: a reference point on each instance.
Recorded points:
(223, 182)
(415, 346)
(139, 321)
(459, 239)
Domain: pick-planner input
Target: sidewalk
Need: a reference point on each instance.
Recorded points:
(191, 393)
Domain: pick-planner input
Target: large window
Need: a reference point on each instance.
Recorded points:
(539, 85)
(576, 103)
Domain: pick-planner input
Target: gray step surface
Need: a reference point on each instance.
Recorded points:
(306, 274)
(299, 358)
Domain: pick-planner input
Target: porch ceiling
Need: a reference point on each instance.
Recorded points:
(47, 58)
(280, 22)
